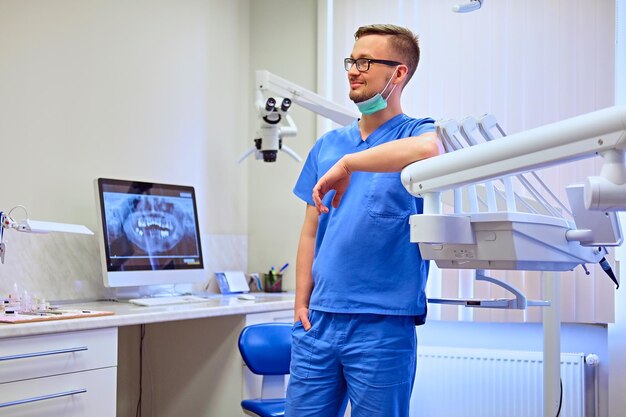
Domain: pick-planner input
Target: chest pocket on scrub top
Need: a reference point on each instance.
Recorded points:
(387, 197)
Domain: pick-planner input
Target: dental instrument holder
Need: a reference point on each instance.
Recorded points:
(273, 282)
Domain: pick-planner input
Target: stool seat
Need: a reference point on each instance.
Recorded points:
(265, 407)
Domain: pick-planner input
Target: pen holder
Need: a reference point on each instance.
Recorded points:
(273, 282)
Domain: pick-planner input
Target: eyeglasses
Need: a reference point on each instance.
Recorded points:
(363, 64)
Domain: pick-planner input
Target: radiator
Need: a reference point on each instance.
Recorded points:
(454, 382)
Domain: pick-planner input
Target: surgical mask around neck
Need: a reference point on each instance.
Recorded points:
(377, 102)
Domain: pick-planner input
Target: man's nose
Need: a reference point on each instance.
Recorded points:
(353, 72)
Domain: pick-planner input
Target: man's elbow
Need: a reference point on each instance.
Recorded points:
(430, 148)
(426, 146)
(437, 148)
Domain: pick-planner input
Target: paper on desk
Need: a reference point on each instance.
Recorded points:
(58, 315)
(236, 281)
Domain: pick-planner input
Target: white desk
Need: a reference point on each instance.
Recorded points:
(191, 364)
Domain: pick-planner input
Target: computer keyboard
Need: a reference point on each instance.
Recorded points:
(167, 300)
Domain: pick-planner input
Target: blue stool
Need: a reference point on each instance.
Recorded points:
(266, 349)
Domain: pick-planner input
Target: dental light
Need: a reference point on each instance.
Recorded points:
(34, 226)
(274, 121)
(467, 7)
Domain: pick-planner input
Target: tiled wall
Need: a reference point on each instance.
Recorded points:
(62, 266)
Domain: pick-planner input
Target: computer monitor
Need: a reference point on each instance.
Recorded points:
(149, 233)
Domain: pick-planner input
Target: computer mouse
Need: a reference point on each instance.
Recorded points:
(247, 297)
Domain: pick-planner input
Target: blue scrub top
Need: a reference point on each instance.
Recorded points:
(364, 260)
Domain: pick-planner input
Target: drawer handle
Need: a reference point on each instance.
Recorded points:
(44, 353)
(43, 397)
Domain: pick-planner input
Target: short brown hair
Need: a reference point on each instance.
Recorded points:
(402, 40)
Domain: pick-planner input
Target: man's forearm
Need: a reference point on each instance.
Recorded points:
(394, 156)
(304, 279)
(304, 287)
(304, 265)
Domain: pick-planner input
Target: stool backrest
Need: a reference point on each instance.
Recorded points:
(266, 348)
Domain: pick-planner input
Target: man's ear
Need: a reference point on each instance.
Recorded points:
(400, 74)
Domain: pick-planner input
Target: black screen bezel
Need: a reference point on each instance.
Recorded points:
(131, 187)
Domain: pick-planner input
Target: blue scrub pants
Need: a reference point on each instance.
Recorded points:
(369, 357)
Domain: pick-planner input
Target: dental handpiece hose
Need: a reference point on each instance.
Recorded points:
(606, 266)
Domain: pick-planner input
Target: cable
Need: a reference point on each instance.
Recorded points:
(558, 412)
(469, 7)
(18, 206)
(141, 337)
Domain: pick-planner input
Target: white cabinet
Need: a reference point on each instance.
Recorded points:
(280, 316)
(60, 374)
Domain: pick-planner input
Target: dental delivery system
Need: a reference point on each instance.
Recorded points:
(505, 230)
(500, 229)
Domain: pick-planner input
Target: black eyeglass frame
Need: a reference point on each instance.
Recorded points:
(349, 62)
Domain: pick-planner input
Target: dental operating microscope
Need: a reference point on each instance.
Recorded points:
(274, 98)
(275, 124)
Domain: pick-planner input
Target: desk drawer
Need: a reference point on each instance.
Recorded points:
(59, 353)
(280, 316)
(80, 394)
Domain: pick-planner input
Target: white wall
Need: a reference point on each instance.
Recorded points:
(142, 89)
(283, 41)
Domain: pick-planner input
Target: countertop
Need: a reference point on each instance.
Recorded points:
(127, 314)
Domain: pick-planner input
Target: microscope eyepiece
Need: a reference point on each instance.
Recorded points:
(285, 104)
(270, 104)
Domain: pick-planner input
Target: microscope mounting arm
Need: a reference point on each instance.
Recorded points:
(276, 123)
